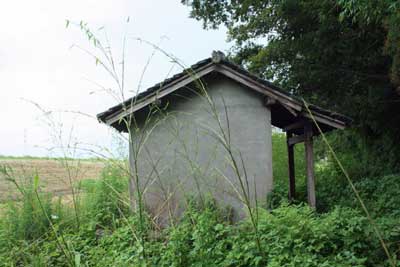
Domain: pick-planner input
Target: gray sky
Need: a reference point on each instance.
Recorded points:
(38, 64)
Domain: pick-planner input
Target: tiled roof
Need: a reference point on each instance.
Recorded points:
(210, 61)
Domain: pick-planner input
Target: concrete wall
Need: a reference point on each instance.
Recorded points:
(181, 156)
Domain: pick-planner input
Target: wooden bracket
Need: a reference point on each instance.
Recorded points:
(295, 140)
(291, 110)
(296, 125)
(269, 101)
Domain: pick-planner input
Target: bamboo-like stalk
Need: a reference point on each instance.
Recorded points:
(353, 188)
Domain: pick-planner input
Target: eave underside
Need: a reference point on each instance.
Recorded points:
(287, 112)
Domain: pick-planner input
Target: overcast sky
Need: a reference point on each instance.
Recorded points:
(37, 64)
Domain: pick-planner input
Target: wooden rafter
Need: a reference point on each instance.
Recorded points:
(296, 125)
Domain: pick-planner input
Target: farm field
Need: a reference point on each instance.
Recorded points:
(55, 175)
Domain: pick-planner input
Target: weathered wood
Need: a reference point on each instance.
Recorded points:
(308, 133)
(324, 119)
(291, 111)
(292, 178)
(269, 101)
(292, 105)
(252, 84)
(296, 125)
(179, 83)
(296, 139)
(282, 98)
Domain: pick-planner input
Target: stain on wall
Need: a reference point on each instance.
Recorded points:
(183, 152)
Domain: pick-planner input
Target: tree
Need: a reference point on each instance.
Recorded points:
(386, 13)
(343, 55)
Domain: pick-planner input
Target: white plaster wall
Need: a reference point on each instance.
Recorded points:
(182, 156)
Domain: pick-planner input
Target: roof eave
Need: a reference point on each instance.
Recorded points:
(115, 115)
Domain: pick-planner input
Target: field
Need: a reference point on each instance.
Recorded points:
(104, 231)
(55, 175)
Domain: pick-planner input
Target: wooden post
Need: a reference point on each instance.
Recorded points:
(292, 181)
(308, 133)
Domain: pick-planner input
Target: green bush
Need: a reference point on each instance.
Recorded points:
(280, 159)
(200, 239)
(280, 171)
(378, 189)
(26, 222)
(28, 218)
(106, 199)
(288, 235)
(361, 158)
(301, 237)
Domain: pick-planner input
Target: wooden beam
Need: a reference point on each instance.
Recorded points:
(259, 87)
(292, 105)
(308, 133)
(295, 140)
(320, 118)
(179, 83)
(294, 126)
(291, 111)
(284, 99)
(292, 178)
(269, 101)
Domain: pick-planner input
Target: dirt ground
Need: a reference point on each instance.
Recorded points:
(55, 176)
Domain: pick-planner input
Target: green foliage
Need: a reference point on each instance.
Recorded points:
(26, 222)
(372, 179)
(106, 199)
(205, 236)
(280, 160)
(380, 195)
(305, 239)
(359, 156)
(280, 171)
(290, 236)
(25, 219)
(34, 228)
(343, 55)
(386, 13)
(200, 239)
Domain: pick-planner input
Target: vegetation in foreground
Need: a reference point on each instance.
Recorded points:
(102, 231)
(343, 55)
(354, 58)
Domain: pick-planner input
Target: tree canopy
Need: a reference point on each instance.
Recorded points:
(343, 55)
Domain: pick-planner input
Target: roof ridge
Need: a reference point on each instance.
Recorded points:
(217, 58)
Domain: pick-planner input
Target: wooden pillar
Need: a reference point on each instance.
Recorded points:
(292, 181)
(308, 134)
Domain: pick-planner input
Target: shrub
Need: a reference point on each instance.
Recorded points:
(106, 199)
(28, 218)
(296, 236)
(280, 171)
(200, 239)
(289, 235)
(26, 222)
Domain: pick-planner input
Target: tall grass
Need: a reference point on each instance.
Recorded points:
(105, 200)
(377, 232)
(30, 218)
(110, 235)
(140, 132)
(107, 222)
